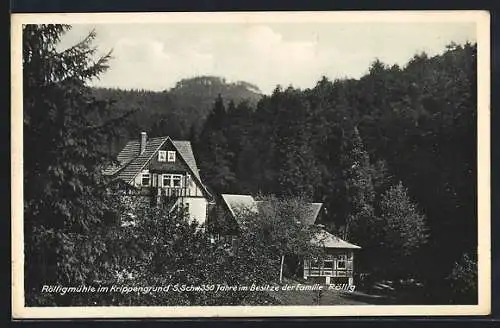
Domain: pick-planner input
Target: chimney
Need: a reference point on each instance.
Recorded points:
(144, 139)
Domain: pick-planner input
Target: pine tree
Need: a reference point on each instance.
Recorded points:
(240, 143)
(65, 152)
(214, 155)
(358, 188)
(297, 172)
(404, 231)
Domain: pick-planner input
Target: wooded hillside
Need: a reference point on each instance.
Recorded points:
(178, 112)
(349, 143)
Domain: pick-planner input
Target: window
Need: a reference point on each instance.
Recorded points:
(162, 156)
(340, 264)
(171, 156)
(341, 257)
(176, 181)
(172, 180)
(328, 264)
(146, 179)
(315, 263)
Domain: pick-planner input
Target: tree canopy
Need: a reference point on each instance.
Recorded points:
(65, 199)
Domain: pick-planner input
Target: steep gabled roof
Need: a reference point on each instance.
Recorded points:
(308, 215)
(312, 213)
(131, 162)
(328, 240)
(184, 148)
(237, 203)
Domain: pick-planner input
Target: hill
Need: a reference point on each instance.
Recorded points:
(179, 111)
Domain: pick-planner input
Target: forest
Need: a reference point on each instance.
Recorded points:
(391, 155)
(398, 142)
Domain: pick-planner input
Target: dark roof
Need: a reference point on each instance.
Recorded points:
(131, 162)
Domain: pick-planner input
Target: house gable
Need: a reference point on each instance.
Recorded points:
(132, 163)
(177, 166)
(184, 163)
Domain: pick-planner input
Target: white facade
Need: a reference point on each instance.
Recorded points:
(183, 186)
(197, 208)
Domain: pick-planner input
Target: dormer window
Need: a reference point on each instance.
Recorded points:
(146, 180)
(162, 156)
(171, 156)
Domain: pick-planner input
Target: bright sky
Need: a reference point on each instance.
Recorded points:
(156, 56)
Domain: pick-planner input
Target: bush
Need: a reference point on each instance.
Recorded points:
(464, 281)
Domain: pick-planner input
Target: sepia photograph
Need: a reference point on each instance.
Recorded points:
(250, 164)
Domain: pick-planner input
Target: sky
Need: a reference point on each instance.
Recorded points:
(156, 56)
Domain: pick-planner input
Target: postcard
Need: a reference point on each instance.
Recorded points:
(250, 164)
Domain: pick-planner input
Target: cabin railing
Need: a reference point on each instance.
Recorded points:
(173, 192)
(333, 269)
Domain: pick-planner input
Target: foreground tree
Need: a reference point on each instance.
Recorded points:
(158, 248)
(278, 231)
(403, 232)
(65, 197)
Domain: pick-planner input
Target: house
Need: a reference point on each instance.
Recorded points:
(336, 268)
(163, 172)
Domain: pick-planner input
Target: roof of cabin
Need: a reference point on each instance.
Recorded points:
(312, 213)
(237, 203)
(331, 241)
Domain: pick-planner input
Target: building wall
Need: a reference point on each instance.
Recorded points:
(179, 166)
(189, 186)
(338, 266)
(197, 205)
(189, 193)
(138, 177)
(197, 208)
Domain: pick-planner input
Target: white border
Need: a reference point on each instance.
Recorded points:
(482, 20)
